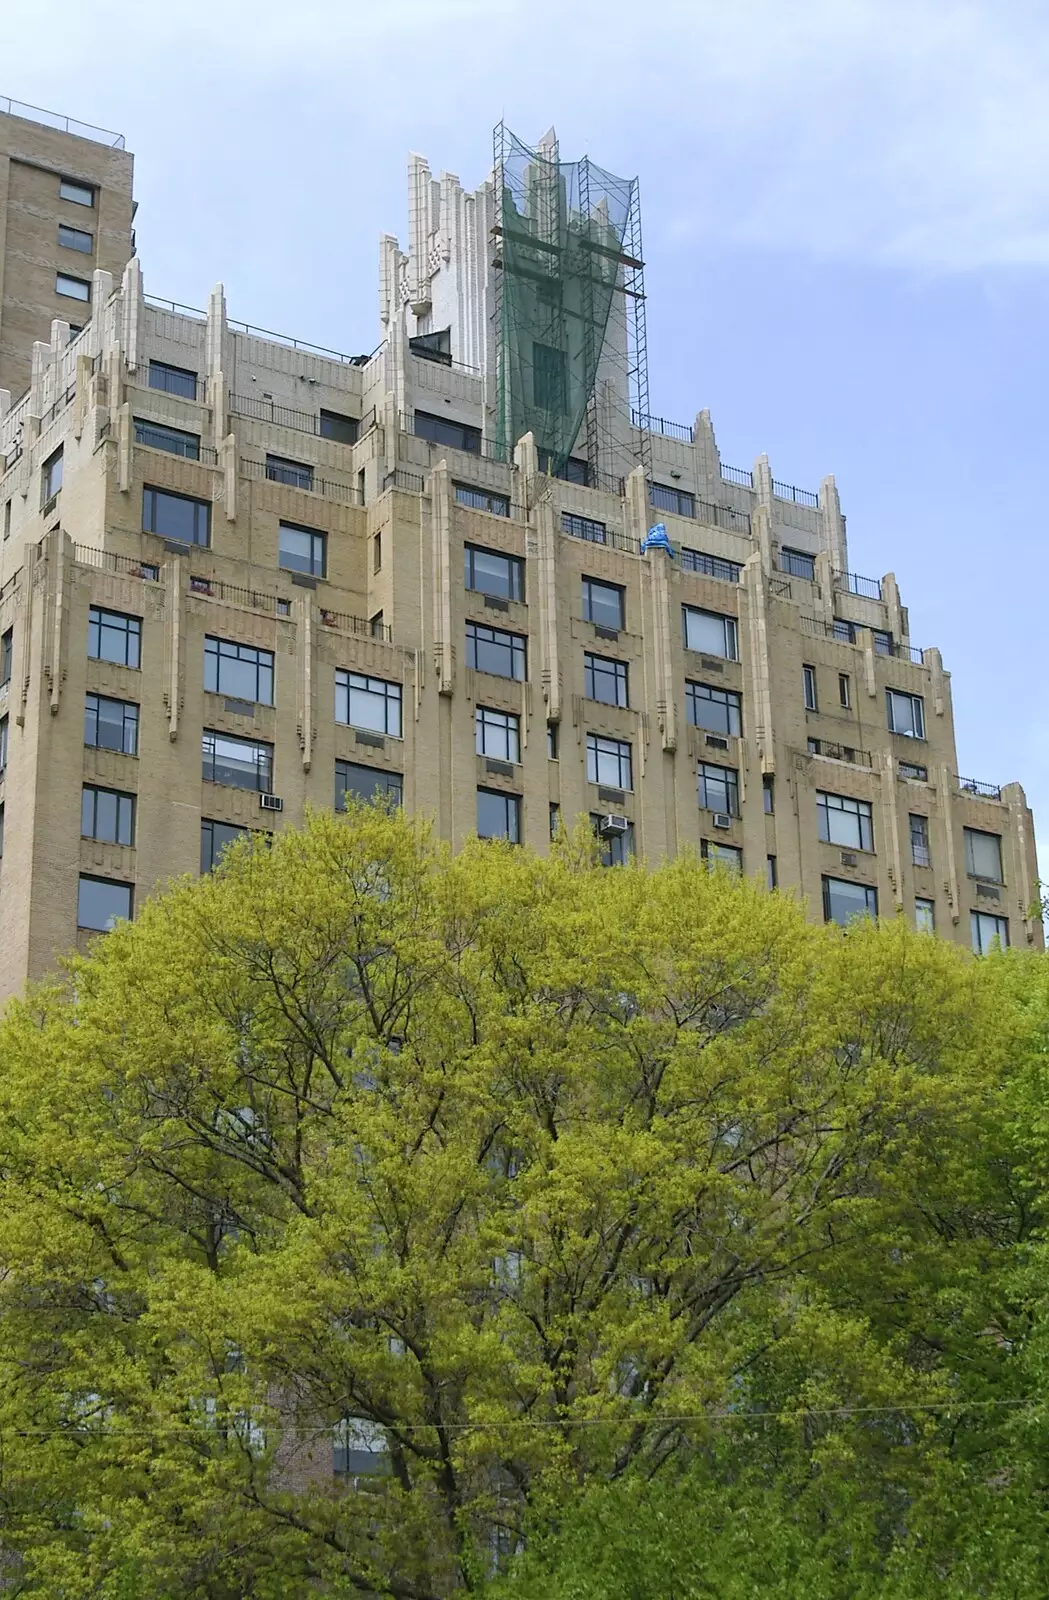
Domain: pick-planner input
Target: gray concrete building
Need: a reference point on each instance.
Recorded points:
(240, 574)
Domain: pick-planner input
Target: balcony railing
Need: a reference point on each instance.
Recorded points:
(986, 791)
(598, 533)
(723, 517)
(346, 493)
(853, 583)
(669, 430)
(110, 561)
(54, 119)
(362, 625)
(710, 566)
(739, 475)
(840, 752)
(800, 497)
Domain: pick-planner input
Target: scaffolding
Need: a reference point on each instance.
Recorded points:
(570, 311)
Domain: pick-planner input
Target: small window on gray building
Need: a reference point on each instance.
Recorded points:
(173, 380)
(75, 239)
(72, 288)
(102, 902)
(180, 517)
(303, 550)
(176, 441)
(81, 194)
(498, 815)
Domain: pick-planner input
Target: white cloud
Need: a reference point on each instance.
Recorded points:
(905, 132)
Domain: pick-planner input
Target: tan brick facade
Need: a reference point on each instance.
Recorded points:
(36, 217)
(249, 433)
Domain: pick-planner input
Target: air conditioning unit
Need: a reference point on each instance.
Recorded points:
(614, 823)
(849, 858)
(721, 819)
(271, 802)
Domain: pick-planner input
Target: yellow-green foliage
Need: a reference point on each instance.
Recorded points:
(541, 1168)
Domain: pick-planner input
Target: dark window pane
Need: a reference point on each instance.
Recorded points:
(111, 724)
(490, 572)
(242, 763)
(603, 603)
(214, 838)
(498, 815)
(342, 429)
(443, 430)
(296, 473)
(160, 437)
(111, 636)
(173, 380)
(100, 902)
(354, 780)
(239, 670)
(176, 516)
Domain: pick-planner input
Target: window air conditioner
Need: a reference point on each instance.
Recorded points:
(614, 824)
(722, 819)
(271, 802)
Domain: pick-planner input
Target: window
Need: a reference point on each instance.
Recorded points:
(920, 854)
(214, 839)
(111, 724)
(239, 670)
(377, 551)
(4, 731)
(112, 636)
(844, 821)
(7, 519)
(605, 680)
(176, 516)
(51, 476)
(584, 527)
(768, 793)
(617, 846)
(7, 649)
(176, 441)
(572, 470)
(359, 782)
(498, 734)
(798, 563)
(497, 505)
(844, 632)
(498, 815)
(716, 710)
(983, 855)
(489, 572)
(376, 625)
(718, 788)
(808, 682)
(493, 650)
(101, 902)
(555, 819)
(912, 769)
(771, 872)
(108, 815)
(551, 741)
(906, 713)
(987, 931)
(604, 604)
(296, 473)
(710, 633)
(712, 566)
(723, 855)
(303, 550)
(608, 762)
(173, 380)
(75, 239)
(1, 830)
(442, 430)
(843, 689)
(344, 430)
(882, 642)
(548, 377)
(72, 288)
(842, 901)
(241, 763)
(360, 1449)
(435, 346)
(81, 194)
(666, 498)
(370, 703)
(924, 915)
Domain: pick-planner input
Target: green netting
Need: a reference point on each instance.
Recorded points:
(563, 225)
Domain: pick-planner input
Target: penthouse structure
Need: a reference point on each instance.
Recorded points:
(240, 574)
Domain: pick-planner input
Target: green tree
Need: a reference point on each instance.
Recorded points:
(521, 1171)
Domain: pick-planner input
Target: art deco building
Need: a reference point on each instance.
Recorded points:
(240, 575)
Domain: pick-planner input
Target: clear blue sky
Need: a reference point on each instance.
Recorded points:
(846, 217)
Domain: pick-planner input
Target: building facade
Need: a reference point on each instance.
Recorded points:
(65, 211)
(240, 576)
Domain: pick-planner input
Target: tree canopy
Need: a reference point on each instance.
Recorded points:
(532, 1195)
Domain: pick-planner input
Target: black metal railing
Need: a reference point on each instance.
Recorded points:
(840, 752)
(110, 561)
(710, 566)
(347, 494)
(722, 517)
(408, 482)
(738, 475)
(598, 533)
(345, 623)
(55, 119)
(853, 583)
(987, 791)
(800, 497)
(669, 430)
